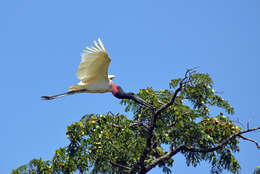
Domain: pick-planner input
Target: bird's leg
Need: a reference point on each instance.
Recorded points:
(63, 94)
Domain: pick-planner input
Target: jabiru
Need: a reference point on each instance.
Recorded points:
(94, 78)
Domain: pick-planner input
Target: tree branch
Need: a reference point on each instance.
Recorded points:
(139, 124)
(119, 165)
(164, 157)
(147, 149)
(174, 150)
(248, 139)
(223, 142)
(131, 125)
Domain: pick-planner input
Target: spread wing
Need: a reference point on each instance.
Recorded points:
(94, 64)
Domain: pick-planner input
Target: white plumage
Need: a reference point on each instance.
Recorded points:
(92, 71)
(93, 76)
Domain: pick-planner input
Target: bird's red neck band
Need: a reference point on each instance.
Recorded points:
(115, 90)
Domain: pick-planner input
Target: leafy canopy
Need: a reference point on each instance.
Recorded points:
(112, 143)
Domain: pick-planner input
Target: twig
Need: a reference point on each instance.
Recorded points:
(159, 101)
(139, 124)
(248, 139)
(120, 165)
(115, 125)
(131, 125)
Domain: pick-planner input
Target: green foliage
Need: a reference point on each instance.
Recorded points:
(98, 141)
(35, 166)
(257, 170)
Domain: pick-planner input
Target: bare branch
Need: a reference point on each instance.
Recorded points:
(248, 139)
(174, 150)
(119, 165)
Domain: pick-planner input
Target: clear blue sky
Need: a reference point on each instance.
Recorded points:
(149, 42)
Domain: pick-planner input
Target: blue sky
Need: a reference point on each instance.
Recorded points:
(149, 42)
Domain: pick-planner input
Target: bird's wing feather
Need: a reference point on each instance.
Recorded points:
(94, 64)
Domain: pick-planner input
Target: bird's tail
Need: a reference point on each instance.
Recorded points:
(50, 97)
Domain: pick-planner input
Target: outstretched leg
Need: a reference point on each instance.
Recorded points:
(63, 94)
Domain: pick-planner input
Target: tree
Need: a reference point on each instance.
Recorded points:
(179, 122)
(257, 170)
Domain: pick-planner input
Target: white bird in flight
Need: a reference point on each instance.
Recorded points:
(92, 73)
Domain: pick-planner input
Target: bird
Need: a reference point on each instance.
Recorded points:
(94, 78)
